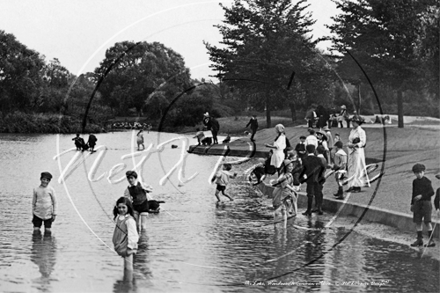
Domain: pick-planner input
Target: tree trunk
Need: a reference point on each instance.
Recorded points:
(268, 120)
(399, 108)
(292, 111)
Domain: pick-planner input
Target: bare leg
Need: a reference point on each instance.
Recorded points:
(128, 264)
(230, 198)
(216, 195)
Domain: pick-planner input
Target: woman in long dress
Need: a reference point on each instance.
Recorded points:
(278, 147)
(357, 172)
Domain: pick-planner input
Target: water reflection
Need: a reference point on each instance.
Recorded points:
(43, 254)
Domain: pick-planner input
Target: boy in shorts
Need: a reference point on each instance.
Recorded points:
(44, 204)
(222, 179)
(421, 204)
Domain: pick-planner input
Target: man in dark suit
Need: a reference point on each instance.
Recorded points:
(313, 174)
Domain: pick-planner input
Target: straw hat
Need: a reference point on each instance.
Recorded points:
(206, 114)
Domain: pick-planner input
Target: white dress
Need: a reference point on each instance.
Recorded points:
(356, 159)
(278, 153)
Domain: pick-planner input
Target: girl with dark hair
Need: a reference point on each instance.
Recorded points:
(125, 235)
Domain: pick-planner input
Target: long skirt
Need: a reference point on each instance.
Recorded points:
(357, 168)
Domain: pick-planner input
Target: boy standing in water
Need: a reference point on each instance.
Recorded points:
(222, 179)
(421, 205)
(44, 204)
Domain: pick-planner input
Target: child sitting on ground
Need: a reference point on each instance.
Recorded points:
(421, 204)
(222, 179)
(44, 204)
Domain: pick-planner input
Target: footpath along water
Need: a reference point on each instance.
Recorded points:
(193, 245)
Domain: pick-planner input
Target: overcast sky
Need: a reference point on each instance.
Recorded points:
(78, 32)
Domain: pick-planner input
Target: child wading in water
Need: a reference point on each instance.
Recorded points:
(284, 195)
(138, 193)
(44, 204)
(140, 140)
(125, 236)
(222, 179)
(421, 205)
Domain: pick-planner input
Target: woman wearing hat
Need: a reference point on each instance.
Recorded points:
(278, 147)
(356, 155)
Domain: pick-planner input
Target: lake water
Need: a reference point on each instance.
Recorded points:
(193, 245)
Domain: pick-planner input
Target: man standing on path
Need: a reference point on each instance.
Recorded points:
(254, 126)
(211, 124)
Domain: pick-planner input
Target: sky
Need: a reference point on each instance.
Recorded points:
(78, 32)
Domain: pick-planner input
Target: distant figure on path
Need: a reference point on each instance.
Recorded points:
(79, 142)
(211, 124)
(421, 204)
(140, 139)
(253, 123)
(44, 204)
(343, 116)
(310, 117)
(92, 142)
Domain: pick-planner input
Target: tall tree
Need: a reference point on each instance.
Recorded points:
(265, 44)
(137, 70)
(20, 74)
(391, 40)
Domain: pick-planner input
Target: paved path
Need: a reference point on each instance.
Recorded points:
(395, 149)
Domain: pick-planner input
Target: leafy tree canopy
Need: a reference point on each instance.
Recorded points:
(137, 70)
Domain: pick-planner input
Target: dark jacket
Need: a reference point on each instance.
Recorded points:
(211, 124)
(314, 168)
(422, 186)
(253, 123)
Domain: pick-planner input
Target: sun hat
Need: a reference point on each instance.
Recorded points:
(323, 134)
(206, 114)
(343, 107)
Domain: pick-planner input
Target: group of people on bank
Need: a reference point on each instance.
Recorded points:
(81, 145)
(307, 163)
(318, 116)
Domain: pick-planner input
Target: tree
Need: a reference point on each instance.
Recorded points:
(391, 40)
(265, 44)
(137, 70)
(20, 74)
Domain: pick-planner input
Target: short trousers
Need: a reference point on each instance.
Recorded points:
(221, 187)
(141, 208)
(38, 222)
(313, 189)
(422, 210)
